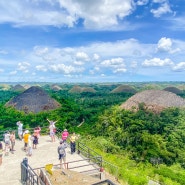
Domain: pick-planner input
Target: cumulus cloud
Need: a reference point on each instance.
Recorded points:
(163, 8)
(66, 12)
(96, 57)
(82, 56)
(116, 64)
(179, 67)
(41, 68)
(23, 66)
(164, 44)
(64, 69)
(157, 62)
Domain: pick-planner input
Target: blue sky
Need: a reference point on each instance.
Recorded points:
(92, 40)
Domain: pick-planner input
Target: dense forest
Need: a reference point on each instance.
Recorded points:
(143, 143)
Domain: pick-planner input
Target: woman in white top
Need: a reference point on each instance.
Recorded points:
(52, 130)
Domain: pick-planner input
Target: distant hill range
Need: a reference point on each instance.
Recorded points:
(34, 99)
(154, 100)
(124, 89)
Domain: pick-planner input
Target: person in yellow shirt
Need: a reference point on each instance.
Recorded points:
(73, 139)
(26, 139)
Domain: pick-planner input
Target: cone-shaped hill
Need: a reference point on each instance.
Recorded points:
(154, 100)
(78, 89)
(18, 88)
(124, 89)
(34, 99)
(173, 90)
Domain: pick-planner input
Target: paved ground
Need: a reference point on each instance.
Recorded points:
(46, 153)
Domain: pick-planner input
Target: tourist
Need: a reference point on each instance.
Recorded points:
(35, 139)
(12, 140)
(73, 139)
(1, 152)
(29, 150)
(38, 131)
(62, 153)
(20, 131)
(26, 140)
(51, 122)
(65, 135)
(7, 142)
(52, 130)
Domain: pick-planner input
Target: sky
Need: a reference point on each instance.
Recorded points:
(92, 40)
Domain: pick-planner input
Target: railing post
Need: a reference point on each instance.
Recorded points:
(78, 151)
(24, 170)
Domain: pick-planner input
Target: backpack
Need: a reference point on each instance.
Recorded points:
(61, 151)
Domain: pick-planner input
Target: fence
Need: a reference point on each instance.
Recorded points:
(97, 159)
(28, 175)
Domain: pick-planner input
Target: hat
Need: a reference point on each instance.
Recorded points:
(65, 130)
(27, 131)
(61, 141)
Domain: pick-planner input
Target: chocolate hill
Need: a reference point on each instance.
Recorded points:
(124, 89)
(34, 99)
(78, 89)
(18, 88)
(173, 90)
(154, 100)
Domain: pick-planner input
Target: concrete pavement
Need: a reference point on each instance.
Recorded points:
(46, 153)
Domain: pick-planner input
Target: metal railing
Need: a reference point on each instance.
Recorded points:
(28, 175)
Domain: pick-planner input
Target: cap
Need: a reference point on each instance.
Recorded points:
(27, 131)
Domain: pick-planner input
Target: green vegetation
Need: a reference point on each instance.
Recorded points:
(142, 144)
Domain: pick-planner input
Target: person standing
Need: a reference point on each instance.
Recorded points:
(1, 152)
(7, 142)
(12, 140)
(26, 140)
(35, 139)
(52, 129)
(20, 131)
(29, 150)
(65, 135)
(73, 139)
(62, 153)
(51, 122)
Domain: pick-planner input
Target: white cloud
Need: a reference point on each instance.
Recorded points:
(41, 68)
(179, 67)
(82, 56)
(1, 70)
(157, 62)
(96, 14)
(164, 44)
(96, 57)
(115, 64)
(62, 68)
(24, 66)
(142, 2)
(162, 9)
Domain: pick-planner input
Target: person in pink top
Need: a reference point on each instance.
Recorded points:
(65, 135)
